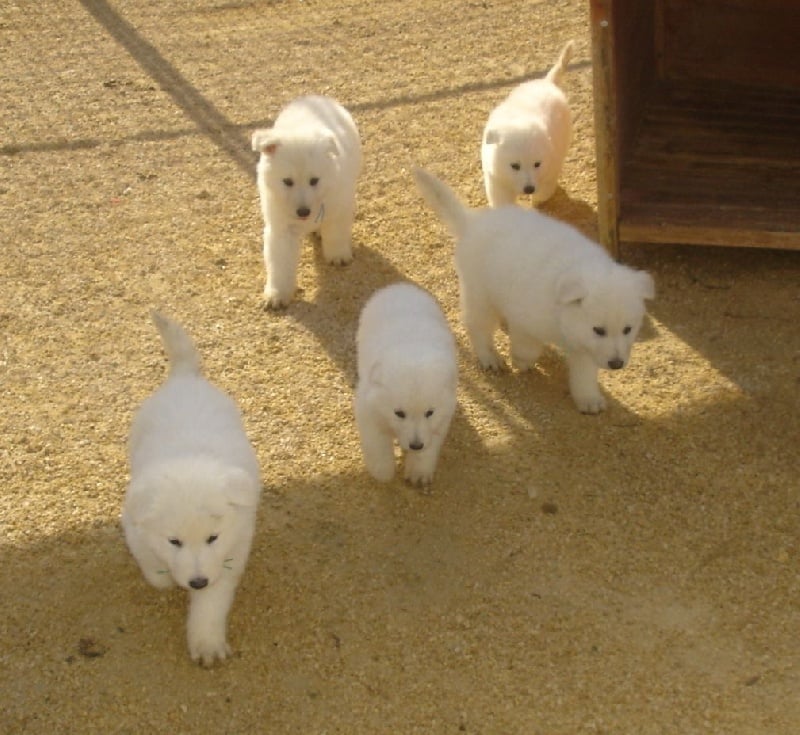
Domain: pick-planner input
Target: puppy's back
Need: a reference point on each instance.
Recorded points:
(396, 317)
(187, 414)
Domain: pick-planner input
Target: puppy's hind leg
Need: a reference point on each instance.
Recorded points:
(525, 350)
(336, 234)
(481, 322)
(281, 257)
(583, 383)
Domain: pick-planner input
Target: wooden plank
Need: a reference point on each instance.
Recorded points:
(633, 230)
(605, 116)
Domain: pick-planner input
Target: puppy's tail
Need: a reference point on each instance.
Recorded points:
(555, 74)
(443, 200)
(184, 359)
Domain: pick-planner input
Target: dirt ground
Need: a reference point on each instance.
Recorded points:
(634, 572)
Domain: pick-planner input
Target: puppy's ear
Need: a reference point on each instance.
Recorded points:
(647, 286)
(265, 141)
(376, 374)
(492, 137)
(570, 288)
(140, 501)
(331, 146)
(240, 490)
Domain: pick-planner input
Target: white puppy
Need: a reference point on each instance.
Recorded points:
(526, 139)
(545, 283)
(407, 376)
(307, 172)
(190, 509)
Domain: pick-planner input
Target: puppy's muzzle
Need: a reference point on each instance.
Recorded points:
(197, 583)
(616, 363)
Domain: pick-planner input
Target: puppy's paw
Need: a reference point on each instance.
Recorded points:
(275, 300)
(591, 403)
(418, 478)
(491, 361)
(381, 471)
(522, 364)
(339, 259)
(206, 648)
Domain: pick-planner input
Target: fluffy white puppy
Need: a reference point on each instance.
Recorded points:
(407, 376)
(307, 172)
(189, 511)
(545, 283)
(526, 139)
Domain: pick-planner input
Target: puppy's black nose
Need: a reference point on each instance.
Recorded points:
(198, 583)
(615, 364)
(416, 445)
(303, 212)
(529, 189)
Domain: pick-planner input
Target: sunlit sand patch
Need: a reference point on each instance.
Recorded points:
(668, 376)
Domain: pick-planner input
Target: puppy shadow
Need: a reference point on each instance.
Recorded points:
(330, 298)
(575, 212)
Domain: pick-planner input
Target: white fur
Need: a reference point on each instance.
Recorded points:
(307, 172)
(407, 377)
(526, 139)
(545, 283)
(189, 512)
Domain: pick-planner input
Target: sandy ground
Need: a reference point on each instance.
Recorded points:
(635, 572)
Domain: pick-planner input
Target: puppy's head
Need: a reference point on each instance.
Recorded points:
(521, 158)
(297, 171)
(194, 516)
(416, 398)
(601, 311)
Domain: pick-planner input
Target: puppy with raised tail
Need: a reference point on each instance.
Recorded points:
(190, 508)
(407, 377)
(544, 283)
(526, 139)
(307, 172)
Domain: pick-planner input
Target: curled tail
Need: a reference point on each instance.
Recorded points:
(443, 200)
(555, 74)
(184, 359)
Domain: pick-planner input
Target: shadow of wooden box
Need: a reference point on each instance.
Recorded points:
(697, 116)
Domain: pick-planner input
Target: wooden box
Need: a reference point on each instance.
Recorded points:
(697, 117)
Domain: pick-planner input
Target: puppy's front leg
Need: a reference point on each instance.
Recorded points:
(377, 447)
(583, 383)
(281, 256)
(420, 466)
(208, 615)
(498, 194)
(336, 233)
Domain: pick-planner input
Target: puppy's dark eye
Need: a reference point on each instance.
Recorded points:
(176, 542)
(400, 414)
(428, 413)
(314, 180)
(211, 539)
(627, 330)
(600, 331)
(288, 182)
(537, 164)
(515, 166)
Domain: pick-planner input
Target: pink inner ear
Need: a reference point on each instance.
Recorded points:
(270, 149)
